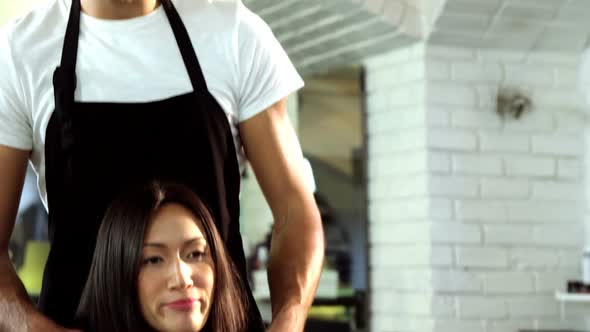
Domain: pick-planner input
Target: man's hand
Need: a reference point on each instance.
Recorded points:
(24, 317)
(17, 313)
(42, 323)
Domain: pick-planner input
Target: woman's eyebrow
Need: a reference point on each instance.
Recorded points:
(185, 243)
(195, 239)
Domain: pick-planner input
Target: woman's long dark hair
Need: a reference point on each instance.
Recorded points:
(110, 300)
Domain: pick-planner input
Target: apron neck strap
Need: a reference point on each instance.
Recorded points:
(189, 57)
(69, 52)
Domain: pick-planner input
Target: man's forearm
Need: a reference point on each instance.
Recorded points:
(296, 259)
(14, 301)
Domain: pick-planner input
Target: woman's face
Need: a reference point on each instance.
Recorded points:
(176, 277)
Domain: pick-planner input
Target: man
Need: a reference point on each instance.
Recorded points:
(103, 94)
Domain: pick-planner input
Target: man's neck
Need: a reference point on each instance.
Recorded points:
(118, 9)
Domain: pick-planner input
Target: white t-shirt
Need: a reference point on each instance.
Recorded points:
(138, 60)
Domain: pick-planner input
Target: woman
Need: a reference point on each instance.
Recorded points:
(160, 265)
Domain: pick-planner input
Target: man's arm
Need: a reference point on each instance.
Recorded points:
(17, 313)
(297, 249)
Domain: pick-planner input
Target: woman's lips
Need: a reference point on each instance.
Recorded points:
(184, 304)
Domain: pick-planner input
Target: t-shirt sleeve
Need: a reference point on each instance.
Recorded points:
(15, 126)
(266, 74)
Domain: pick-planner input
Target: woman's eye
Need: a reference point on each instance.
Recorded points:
(196, 255)
(152, 260)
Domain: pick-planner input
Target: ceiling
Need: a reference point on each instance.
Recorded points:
(530, 25)
(320, 35)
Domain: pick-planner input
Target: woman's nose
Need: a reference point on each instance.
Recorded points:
(181, 275)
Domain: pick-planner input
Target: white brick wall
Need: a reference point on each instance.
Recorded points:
(498, 217)
(503, 142)
(478, 307)
(509, 283)
(481, 257)
(451, 139)
(399, 207)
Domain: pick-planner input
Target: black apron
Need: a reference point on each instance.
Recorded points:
(94, 150)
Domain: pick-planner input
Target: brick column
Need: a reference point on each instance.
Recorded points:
(475, 220)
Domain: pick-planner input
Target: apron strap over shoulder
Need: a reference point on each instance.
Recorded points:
(64, 77)
(187, 50)
(70, 47)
